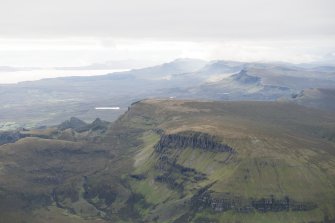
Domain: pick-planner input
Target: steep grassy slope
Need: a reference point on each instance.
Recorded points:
(177, 161)
(278, 164)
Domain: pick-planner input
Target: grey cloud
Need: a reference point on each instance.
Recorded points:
(173, 19)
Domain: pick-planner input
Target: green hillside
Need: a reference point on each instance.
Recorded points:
(176, 161)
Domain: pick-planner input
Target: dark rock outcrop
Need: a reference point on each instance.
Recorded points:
(170, 181)
(271, 204)
(244, 78)
(9, 137)
(204, 200)
(175, 175)
(193, 140)
(81, 126)
(138, 176)
(97, 125)
(74, 123)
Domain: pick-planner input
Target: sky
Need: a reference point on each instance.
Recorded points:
(129, 33)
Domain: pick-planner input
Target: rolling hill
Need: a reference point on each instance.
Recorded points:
(175, 161)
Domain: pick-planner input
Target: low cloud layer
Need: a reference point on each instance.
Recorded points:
(174, 19)
(48, 33)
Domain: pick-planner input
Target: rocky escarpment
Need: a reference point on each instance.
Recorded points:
(9, 137)
(204, 200)
(175, 176)
(169, 147)
(193, 140)
(73, 123)
(81, 126)
(244, 78)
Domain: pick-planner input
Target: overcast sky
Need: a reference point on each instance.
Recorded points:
(80, 32)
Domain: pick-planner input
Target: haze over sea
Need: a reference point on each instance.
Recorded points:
(11, 77)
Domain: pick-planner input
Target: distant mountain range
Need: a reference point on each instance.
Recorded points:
(48, 101)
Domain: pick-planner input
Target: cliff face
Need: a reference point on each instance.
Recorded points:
(204, 200)
(169, 148)
(9, 137)
(193, 140)
(176, 176)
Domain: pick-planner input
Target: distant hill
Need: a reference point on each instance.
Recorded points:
(317, 98)
(239, 86)
(48, 101)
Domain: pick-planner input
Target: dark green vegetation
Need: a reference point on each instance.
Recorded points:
(175, 161)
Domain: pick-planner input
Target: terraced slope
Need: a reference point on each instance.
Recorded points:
(178, 161)
(245, 161)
